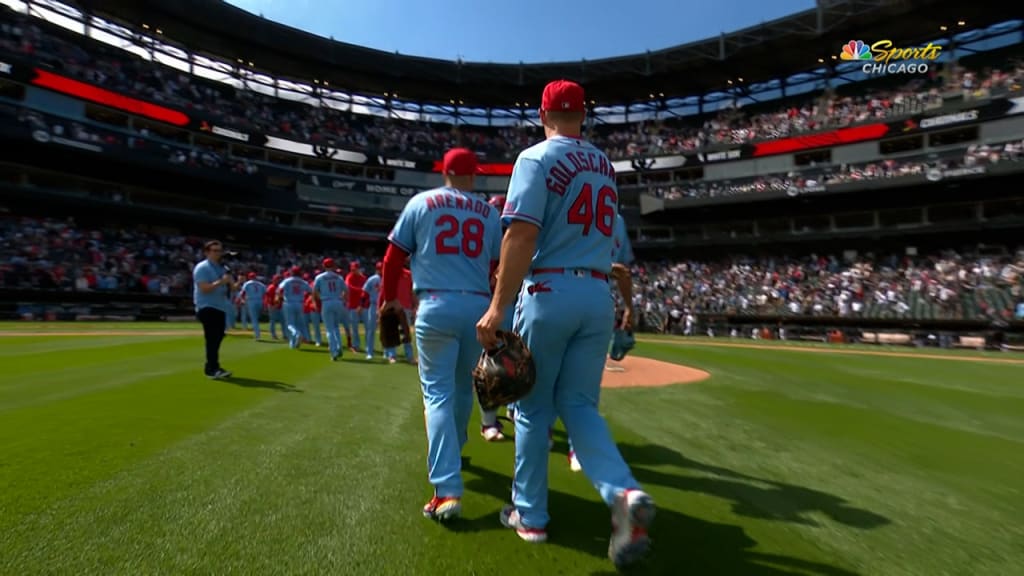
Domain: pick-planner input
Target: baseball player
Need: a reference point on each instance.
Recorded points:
(311, 321)
(273, 305)
(253, 292)
(407, 298)
(490, 428)
(371, 288)
(292, 294)
(622, 257)
(232, 312)
(328, 291)
(453, 238)
(561, 208)
(354, 282)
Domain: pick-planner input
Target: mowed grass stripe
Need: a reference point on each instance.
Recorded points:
(848, 462)
(779, 464)
(80, 438)
(978, 398)
(300, 470)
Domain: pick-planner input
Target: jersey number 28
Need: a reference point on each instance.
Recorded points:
(583, 212)
(470, 242)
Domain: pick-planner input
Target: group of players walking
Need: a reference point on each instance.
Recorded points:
(539, 265)
(300, 302)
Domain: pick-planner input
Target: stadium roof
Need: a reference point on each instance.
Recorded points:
(760, 53)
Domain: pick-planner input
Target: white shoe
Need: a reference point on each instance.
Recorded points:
(492, 433)
(510, 519)
(574, 463)
(392, 360)
(632, 514)
(369, 356)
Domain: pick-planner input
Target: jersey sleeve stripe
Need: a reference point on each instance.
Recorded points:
(521, 216)
(391, 238)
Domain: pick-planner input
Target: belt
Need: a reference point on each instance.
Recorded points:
(473, 292)
(578, 272)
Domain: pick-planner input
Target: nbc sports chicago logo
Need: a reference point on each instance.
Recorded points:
(883, 57)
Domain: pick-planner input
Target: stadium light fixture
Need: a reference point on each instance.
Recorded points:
(740, 79)
(943, 28)
(961, 23)
(326, 83)
(834, 57)
(729, 82)
(159, 31)
(660, 95)
(821, 60)
(145, 26)
(461, 102)
(250, 63)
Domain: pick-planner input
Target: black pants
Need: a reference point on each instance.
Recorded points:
(213, 321)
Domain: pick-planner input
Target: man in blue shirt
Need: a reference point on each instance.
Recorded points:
(212, 284)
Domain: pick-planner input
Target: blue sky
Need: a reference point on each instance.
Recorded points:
(521, 30)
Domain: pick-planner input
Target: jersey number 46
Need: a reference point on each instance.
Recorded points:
(584, 213)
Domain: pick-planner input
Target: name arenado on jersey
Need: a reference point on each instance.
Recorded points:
(561, 174)
(459, 202)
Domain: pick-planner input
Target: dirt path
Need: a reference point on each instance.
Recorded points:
(847, 351)
(637, 372)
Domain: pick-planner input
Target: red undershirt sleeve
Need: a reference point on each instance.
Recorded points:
(391, 272)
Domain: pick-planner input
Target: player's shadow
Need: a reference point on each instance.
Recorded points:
(681, 544)
(751, 496)
(267, 384)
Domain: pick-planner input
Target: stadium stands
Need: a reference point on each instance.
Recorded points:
(58, 254)
(105, 66)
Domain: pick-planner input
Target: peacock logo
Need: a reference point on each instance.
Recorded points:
(856, 50)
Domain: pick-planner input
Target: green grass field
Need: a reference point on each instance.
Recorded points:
(118, 457)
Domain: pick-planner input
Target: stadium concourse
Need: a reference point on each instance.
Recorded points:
(56, 254)
(114, 69)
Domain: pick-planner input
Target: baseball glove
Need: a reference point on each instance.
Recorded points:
(622, 342)
(505, 374)
(391, 329)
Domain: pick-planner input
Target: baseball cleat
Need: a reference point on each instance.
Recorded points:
(369, 356)
(632, 514)
(574, 463)
(442, 509)
(510, 519)
(392, 360)
(492, 433)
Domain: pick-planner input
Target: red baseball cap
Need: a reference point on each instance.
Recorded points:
(328, 263)
(296, 270)
(353, 266)
(563, 96)
(306, 277)
(252, 276)
(276, 278)
(459, 162)
(379, 265)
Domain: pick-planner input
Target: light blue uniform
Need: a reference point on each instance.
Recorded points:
(230, 316)
(372, 289)
(566, 187)
(452, 238)
(293, 291)
(331, 288)
(254, 291)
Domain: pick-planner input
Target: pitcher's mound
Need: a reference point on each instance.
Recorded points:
(636, 372)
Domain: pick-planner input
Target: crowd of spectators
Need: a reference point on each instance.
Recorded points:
(60, 255)
(246, 109)
(945, 285)
(815, 179)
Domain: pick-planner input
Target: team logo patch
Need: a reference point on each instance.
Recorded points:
(538, 288)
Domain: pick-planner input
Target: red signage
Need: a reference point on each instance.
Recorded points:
(485, 169)
(823, 140)
(105, 97)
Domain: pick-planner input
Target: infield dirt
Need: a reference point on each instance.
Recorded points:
(636, 372)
